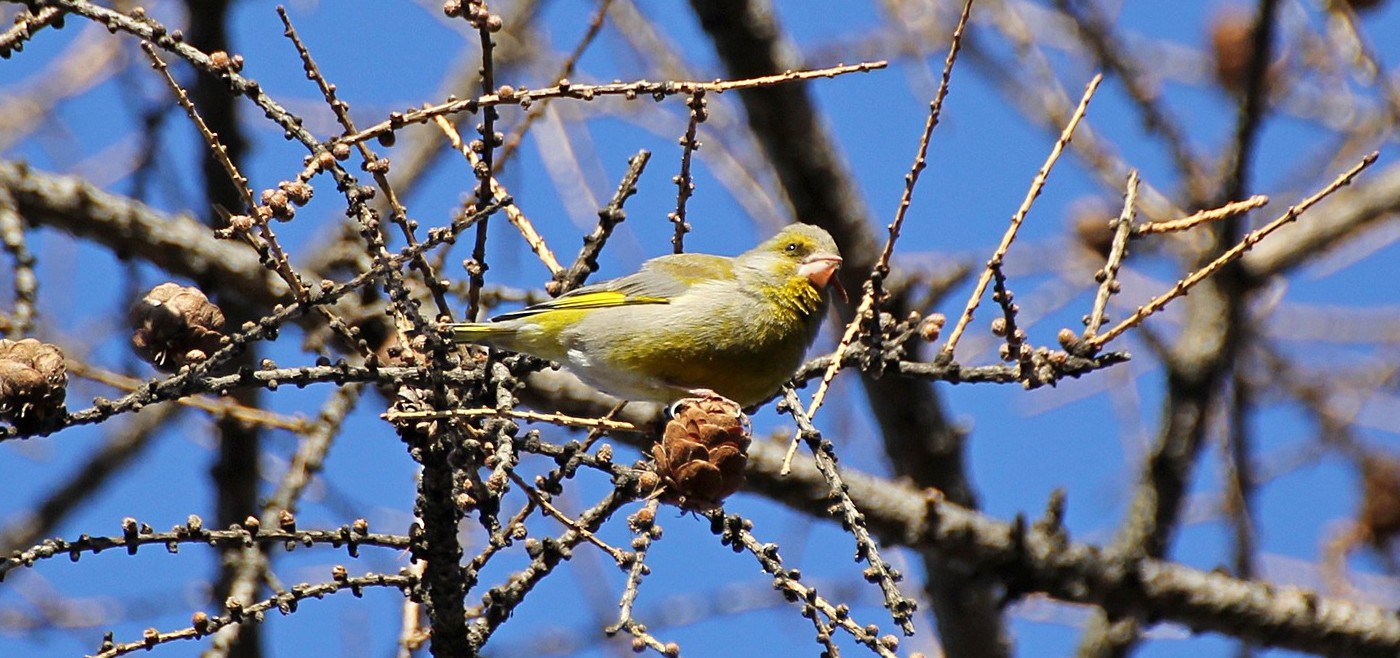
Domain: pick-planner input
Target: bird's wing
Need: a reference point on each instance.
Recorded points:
(659, 280)
(671, 276)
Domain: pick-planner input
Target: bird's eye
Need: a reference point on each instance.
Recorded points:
(792, 246)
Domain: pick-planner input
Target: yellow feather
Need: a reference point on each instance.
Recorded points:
(586, 301)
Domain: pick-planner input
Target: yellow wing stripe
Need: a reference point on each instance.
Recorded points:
(585, 301)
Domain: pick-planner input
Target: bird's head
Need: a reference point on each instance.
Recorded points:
(803, 251)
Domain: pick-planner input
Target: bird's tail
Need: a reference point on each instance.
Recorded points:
(480, 332)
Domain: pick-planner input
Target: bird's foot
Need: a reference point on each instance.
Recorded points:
(694, 394)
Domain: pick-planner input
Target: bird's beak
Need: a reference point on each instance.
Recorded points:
(820, 268)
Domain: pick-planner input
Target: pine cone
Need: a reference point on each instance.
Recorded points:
(1232, 45)
(175, 326)
(33, 383)
(1379, 517)
(702, 453)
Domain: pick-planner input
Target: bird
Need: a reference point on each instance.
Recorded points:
(684, 325)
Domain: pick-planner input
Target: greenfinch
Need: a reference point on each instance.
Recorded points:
(685, 325)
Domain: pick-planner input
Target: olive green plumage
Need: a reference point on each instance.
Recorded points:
(685, 324)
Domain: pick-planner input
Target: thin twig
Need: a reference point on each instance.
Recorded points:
(102, 463)
(618, 556)
(685, 185)
(516, 137)
(252, 566)
(498, 191)
(205, 624)
(1122, 229)
(379, 169)
(901, 607)
(1200, 217)
(25, 25)
(1006, 326)
(1117, 57)
(736, 531)
(641, 88)
(506, 597)
(476, 268)
(270, 246)
(1043, 96)
(185, 383)
(865, 311)
(643, 525)
(946, 353)
(532, 416)
(1231, 254)
(136, 535)
(608, 218)
(221, 407)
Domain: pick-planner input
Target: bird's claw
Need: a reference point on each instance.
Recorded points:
(694, 394)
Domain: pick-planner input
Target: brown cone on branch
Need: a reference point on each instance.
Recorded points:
(174, 326)
(702, 453)
(1379, 517)
(1232, 48)
(33, 383)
